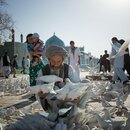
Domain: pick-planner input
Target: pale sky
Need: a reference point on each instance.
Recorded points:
(90, 23)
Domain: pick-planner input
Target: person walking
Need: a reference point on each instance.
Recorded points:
(14, 65)
(126, 58)
(100, 62)
(106, 62)
(23, 65)
(74, 57)
(1, 66)
(118, 63)
(6, 65)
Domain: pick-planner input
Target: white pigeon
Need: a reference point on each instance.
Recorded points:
(1, 127)
(46, 88)
(119, 102)
(105, 124)
(71, 90)
(61, 125)
(105, 103)
(62, 111)
(109, 95)
(107, 115)
(61, 94)
(124, 46)
(76, 90)
(50, 78)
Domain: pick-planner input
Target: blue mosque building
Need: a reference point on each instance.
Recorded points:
(54, 40)
(84, 57)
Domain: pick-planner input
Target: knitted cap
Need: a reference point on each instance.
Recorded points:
(55, 50)
(36, 35)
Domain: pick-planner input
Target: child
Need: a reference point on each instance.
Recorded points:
(37, 45)
(36, 65)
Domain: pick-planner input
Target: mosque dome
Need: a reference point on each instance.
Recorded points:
(54, 40)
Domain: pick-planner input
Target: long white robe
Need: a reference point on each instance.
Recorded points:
(118, 64)
(27, 65)
(74, 59)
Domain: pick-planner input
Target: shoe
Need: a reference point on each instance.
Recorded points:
(32, 98)
(6, 77)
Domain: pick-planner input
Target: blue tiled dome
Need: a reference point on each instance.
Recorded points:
(54, 40)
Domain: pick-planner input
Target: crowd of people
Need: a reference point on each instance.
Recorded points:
(33, 63)
(104, 62)
(8, 66)
(119, 62)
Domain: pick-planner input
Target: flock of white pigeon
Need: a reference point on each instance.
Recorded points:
(87, 116)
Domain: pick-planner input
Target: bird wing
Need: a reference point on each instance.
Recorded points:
(121, 51)
(124, 46)
(50, 78)
(44, 87)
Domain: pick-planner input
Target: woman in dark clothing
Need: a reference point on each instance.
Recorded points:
(100, 62)
(23, 65)
(126, 58)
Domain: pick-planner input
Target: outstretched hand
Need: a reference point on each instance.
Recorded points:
(41, 94)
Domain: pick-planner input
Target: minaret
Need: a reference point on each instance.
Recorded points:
(21, 37)
(13, 35)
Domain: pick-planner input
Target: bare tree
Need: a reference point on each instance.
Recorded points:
(6, 22)
(2, 2)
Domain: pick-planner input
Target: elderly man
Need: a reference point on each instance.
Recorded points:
(50, 103)
(56, 66)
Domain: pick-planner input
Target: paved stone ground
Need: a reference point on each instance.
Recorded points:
(6, 101)
(12, 98)
(21, 101)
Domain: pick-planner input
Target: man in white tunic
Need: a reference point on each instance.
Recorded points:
(118, 62)
(74, 57)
